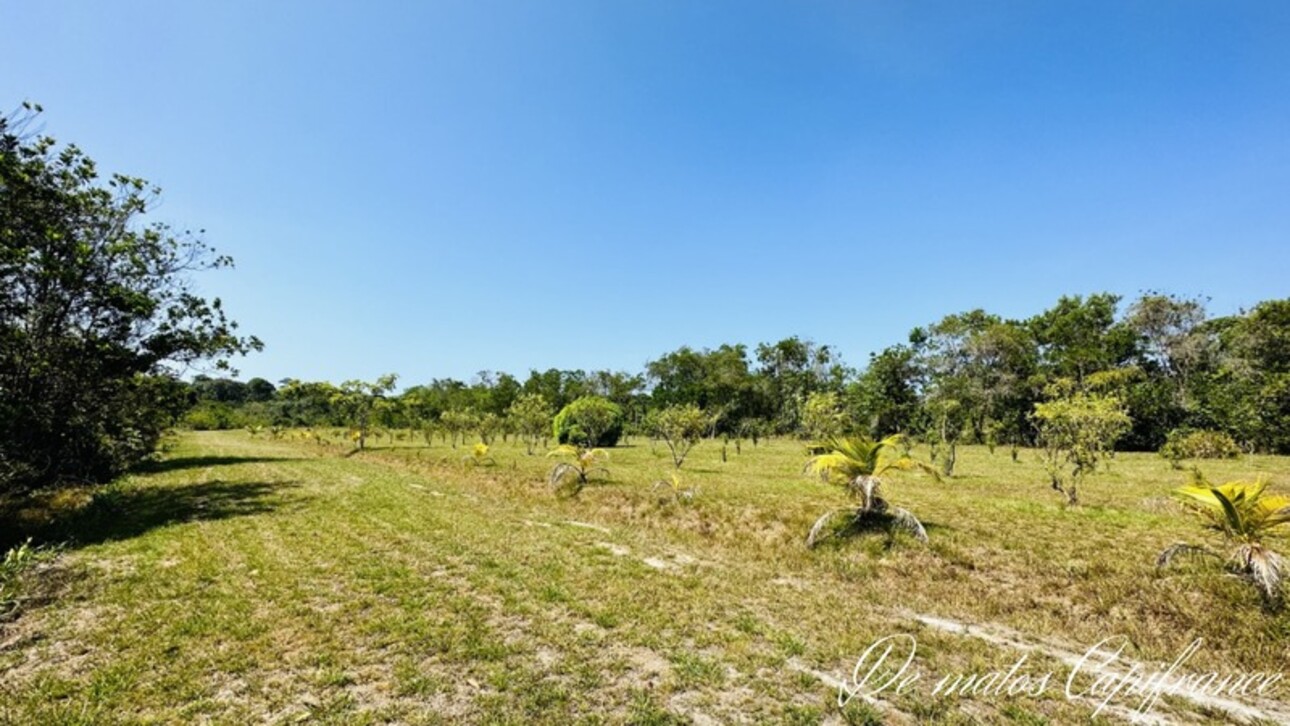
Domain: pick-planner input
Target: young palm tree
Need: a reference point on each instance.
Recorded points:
(858, 464)
(673, 490)
(479, 456)
(1243, 513)
(569, 477)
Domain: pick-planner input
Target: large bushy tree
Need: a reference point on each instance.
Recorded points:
(97, 316)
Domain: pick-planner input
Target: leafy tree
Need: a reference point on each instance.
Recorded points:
(953, 394)
(530, 416)
(97, 315)
(713, 380)
(822, 416)
(456, 422)
(495, 392)
(356, 402)
(977, 371)
(755, 429)
(858, 464)
(591, 421)
(680, 427)
(558, 387)
(1243, 514)
(1077, 428)
(1174, 340)
(622, 390)
(221, 390)
(1079, 336)
(790, 371)
(259, 390)
(1249, 394)
(1261, 337)
(301, 403)
(885, 397)
(947, 420)
(487, 425)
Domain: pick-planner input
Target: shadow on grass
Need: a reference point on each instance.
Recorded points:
(117, 513)
(879, 530)
(201, 462)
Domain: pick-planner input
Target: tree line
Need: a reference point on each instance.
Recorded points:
(1159, 365)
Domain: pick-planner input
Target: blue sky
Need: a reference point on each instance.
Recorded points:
(440, 188)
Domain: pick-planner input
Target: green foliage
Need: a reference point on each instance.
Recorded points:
(358, 401)
(17, 561)
(1079, 336)
(97, 314)
(1243, 513)
(976, 371)
(530, 417)
(673, 491)
(885, 397)
(568, 478)
(680, 427)
(488, 425)
(590, 421)
(792, 369)
(1199, 444)
(479, 456)
(713, 380)
(457, 422)
(947, 419)
(822, 416)
(1076, 430)
(213, 416)
(858, 464)
(971, 377)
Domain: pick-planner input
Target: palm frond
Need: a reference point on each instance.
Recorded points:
(567, 480)
(563, 450)
(1265, 567)
(1241, 510)
(835, 464)
(905, 520)
(1272, 510)
(561, 471)
(1181, 548)
(821, 530)
(905, 463)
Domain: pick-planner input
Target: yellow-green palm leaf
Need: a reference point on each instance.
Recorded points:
(1242, 510)
(851, 457)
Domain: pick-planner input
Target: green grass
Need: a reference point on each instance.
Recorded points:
(247, 580)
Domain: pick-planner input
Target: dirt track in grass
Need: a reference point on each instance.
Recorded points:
(249, 580)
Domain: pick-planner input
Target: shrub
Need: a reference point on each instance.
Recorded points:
(680, 427)
(591, 421)
(1199, 444)
(1077, 431)
(211, 416)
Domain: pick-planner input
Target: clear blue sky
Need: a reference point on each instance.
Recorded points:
(439, 188)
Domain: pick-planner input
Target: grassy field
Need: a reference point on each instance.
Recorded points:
(244, 579)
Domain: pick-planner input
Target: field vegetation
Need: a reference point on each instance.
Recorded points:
(250, 577)
(585, 546)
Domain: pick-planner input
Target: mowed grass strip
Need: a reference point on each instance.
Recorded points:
(251, 580)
